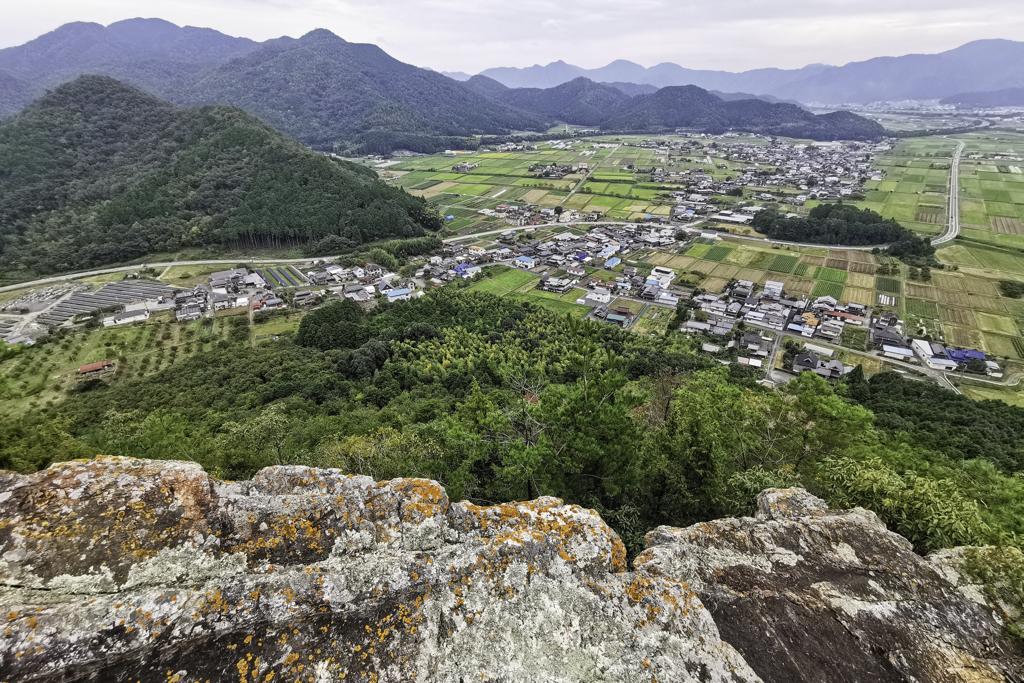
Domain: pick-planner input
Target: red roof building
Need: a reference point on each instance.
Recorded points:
(95, 367)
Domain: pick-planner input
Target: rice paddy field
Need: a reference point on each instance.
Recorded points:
(505, 178)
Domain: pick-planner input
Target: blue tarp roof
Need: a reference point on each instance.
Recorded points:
(964, 355)
(448, 218)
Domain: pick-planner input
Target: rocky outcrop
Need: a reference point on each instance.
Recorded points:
(811, 594)
(128, 570)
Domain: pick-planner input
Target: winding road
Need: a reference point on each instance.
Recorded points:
(953, 202)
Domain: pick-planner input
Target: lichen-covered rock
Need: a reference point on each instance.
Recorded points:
(809, 594)
(128, 570)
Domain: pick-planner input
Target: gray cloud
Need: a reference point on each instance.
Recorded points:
(471, 36)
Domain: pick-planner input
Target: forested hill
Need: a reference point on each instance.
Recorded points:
(98, 172)
(583, 102)
(321, 89)
(694, 108)
(580, 101)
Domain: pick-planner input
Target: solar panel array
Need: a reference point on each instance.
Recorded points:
(112, 294)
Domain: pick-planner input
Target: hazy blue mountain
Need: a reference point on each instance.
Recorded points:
(14, 94)
(152, 54)
(984, 65)
(485, 86)
(586, 103)
(580, 101)
(456, 75)
(633, 89)
(661, 75)
(693, 108)
(1010, 97)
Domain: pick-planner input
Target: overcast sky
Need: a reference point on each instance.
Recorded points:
(472, 35)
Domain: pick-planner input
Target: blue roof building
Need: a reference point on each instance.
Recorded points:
(612, 262)
(962, 356)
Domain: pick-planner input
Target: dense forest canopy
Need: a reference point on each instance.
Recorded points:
(502, 400)
(98, 172)
(844, 224)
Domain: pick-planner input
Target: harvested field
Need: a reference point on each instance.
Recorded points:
(725, 270)
(715, 284)
(813, 260)
(948, 281)
(856, 256)
(955, 316)
(924, 292)
(1007, 226)
(798, 285)
(962, 336)
(932, 218)
(838, 264)
(856, 295)
(922, 309)
(751, 274)
(997, 323)
(988, 303)
(978, 286)
(868, 268)
(674, 261)
(534, 196)
(861, 280)
(999, 345)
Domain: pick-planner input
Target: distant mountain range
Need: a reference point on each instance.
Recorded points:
(98, 172)
(983, 65)
(583, 102)
(1011, 97)
(319, 88)
(355, 98)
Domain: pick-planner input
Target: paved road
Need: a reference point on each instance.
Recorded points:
(163, 264)
(727, 235)
(953, 203)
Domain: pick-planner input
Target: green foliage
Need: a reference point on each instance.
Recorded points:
(931, 513)
(98, 172)
(844, 224)
(1000, 571)
(1011, 288)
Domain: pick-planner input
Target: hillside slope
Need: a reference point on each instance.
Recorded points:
(1009, 97)
(151, 54)
(320, 89)
(693, 108)
(581, 101)
(98, 172)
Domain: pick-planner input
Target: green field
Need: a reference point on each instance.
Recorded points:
(831, 275)
(698, 250)
(824, 288)
(801, 269)
(783, 264)
(922, 309)
(887, 285)
(717, 253)
(512, 280)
